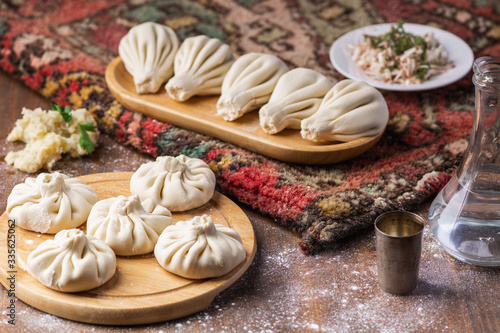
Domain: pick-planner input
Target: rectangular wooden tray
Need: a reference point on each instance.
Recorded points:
(199, 114)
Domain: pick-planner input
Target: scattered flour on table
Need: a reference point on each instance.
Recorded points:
(354, 300)
(349, 294)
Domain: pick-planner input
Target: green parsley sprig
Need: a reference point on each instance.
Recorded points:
(84, 140)
(65, 113)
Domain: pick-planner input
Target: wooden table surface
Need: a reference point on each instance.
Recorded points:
(283, 290)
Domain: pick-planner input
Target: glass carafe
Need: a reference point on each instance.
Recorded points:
(465, 215)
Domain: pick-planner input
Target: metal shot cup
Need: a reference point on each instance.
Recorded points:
(399, 245)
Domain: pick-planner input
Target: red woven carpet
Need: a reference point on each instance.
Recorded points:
(61, 49)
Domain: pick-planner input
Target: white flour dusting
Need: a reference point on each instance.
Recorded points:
(334, 291)
(298, 290)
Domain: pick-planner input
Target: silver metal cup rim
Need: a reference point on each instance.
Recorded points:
(413, 216)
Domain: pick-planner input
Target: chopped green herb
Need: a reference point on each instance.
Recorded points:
(84, 140)
(422, 71)
(398, 39)
(398, 56)
(65, 113)
(375, 40)
(89, 127)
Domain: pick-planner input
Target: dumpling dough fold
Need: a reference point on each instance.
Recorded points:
(297, 95)
(148, 52)
(72, 262)
(350, 110)
(199, 249)
(50, 202)
(199, 66)
(127, 226)
(177, 183)
(248, 84)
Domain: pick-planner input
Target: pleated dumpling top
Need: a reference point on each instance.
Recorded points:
(72, 262)
(199, 68)
(248, 84)
(148, 52)
(128, 226)
(177, 183)
(50, 203)
(199, 249)
(297, 95)
(350, 110)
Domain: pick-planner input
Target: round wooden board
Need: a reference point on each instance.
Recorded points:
(141, 291)
(200, 114)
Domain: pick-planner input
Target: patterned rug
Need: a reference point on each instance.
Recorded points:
(61, 49)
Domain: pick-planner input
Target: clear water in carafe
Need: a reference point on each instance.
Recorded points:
(465, 218)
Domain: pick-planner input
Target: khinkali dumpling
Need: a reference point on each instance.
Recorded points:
(177, 183)
(148, 52)
(297, 95)
(50, 202)
(199, 249)
(72, 262)
(127, 226)
(199, 67)
(350, 110)
(248, 84)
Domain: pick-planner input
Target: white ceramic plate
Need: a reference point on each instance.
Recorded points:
(459, 53)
